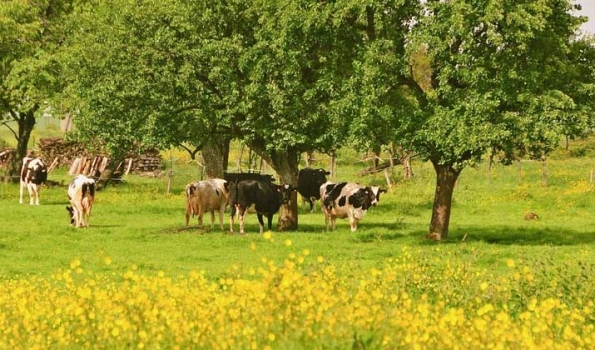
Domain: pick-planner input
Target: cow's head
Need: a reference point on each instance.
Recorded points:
(284, 192)
(318, 176)
(363, 198)
(71, 213)
(376, 190)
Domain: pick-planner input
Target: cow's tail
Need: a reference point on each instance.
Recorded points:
(190, 189)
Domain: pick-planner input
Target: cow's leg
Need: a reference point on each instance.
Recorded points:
(81, 214)
(232, 210)
(353, 223)
(221, 213)
(333, 222)
(37, 190)
(77, 215)
(188, 211)
(212, 219)
(31, 194)
(86, 214)
(311, 205)
(201, 213)
(270, 222)
(89, 208)
(21, 191)
(326, 218)
(87, 218)
(242, 215)
(261, 222)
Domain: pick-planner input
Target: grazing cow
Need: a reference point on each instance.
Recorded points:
(81, 193)
(236, 177)
(266, 197)
(33, 174)
(309, 182)
(347, 200)
(206, 196)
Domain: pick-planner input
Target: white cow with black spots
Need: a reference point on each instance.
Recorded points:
(347, 200)
(81, 193)
(33, 174)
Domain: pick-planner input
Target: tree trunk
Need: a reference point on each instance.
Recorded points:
(405, 159)
(285, 164)
(25, 122)
(446, 178)
(333, 165)
(107, 174)
(407, 169)
(309, 158)
(215, 155)
(376, 156)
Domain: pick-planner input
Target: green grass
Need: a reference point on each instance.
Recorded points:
(138, 224)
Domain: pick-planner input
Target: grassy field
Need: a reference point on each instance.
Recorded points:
(138, 223)
(137, 278)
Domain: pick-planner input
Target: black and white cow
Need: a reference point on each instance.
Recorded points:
(33, 174)
(347, 200)
(309, 182)
(206, 196)
(266, 197)
(236, 177)
(81, 193)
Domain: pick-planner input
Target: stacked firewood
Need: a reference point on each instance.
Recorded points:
(81, 160)
(64, 151)
(148, 161)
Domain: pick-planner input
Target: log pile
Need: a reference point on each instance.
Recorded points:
(148, 161)
(81, 160)
(64, 151)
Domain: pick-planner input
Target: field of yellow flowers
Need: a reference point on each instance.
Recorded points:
(415, 300)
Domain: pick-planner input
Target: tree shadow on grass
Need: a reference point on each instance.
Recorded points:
(508, 235)
(188, 229)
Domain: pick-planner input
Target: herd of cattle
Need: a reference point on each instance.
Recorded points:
(244, 191)
(240, 192)
(81, 190)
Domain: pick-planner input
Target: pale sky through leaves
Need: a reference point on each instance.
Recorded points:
(589, 11)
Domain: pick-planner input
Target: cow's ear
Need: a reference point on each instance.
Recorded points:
(382, 190)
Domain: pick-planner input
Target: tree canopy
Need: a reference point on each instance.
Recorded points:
(449, 80)
(30, 34)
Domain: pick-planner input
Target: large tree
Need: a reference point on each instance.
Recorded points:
(140, 76)
(265, 72)
(497, 75)
(30, 32)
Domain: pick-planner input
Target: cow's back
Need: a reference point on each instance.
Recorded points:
(211, 193)
(261, 194)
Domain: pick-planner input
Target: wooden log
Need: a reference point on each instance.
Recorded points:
(53, 165)
(129, 166)
(74, 167)
(104, 163)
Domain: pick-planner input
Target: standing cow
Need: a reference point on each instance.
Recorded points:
(33, 174)
(206, 196)
(347, 200)
(309, 182)
(266, 197)
(81, 193)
